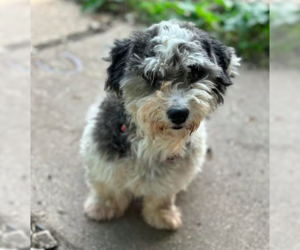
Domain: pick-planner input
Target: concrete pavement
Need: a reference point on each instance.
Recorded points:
(284, 159)
(225, 208)
(15, 114)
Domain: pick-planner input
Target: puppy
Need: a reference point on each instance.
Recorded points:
(147, 138)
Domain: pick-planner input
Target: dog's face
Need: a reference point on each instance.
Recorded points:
(170, 77)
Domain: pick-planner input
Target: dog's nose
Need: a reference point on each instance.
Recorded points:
(178, 116)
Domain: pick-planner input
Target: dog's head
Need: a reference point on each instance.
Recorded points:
(170, 77)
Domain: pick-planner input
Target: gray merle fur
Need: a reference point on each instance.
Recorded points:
(124, 57)
(119, 56)
(107, 133)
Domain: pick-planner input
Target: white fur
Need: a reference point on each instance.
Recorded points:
(169, 37)
(134, 174)
(234, 64)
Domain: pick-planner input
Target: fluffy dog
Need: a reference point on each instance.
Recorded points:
(147, 138)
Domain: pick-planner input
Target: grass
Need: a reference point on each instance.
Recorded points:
(244, 26)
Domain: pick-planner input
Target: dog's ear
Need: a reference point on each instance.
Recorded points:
(118, 58)
(226, 59)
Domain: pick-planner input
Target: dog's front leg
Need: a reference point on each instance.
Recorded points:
(105, 203)
(161, 212)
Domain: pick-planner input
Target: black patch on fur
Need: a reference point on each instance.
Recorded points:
(223, 56)
(196, 73)
(141, 49)
(222, 82)
(216, 49)
(119, 57)
(107, 132)
(222, 53)
(206, 44)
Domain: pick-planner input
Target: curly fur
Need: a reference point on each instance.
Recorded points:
(171, 64)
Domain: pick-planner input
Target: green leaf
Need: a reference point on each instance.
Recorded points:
(208, 16)
(226, 4)
(186, 6)
(92, 5)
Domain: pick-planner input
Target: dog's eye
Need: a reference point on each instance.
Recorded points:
(196, 73)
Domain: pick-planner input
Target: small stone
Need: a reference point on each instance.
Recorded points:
(209, 153)
(250, 119)
(95, 26)
(61, 211)
(189, 237)
(41, 213)
(16, 239)
(44, 239)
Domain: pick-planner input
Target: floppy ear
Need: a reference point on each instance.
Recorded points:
(118, 57)
(227, 60)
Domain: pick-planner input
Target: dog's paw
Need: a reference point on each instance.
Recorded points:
(169, 219)
(98, 210)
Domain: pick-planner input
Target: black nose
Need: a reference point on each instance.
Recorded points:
(178, 116)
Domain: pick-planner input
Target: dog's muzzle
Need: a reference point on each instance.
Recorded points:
(178, 116)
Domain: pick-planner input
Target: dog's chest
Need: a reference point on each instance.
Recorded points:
(142, 179)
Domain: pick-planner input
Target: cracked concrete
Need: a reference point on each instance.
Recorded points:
(52, 20)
